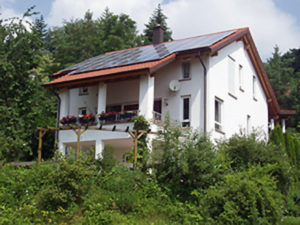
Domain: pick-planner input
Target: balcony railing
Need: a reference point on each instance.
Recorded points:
(117, 117)
(157, 116)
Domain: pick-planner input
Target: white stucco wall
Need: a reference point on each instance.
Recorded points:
(235, 111)
(78, 101)
(192, 88)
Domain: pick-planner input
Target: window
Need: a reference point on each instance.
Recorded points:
(218, 113)
(83, 91)
(157, 106)
(231, 75)
(248, 124)
(114, 108)
(186, 70)
(82, 111)
(186, 112)
(120, 107)
(254, 84)
(131, 107)
(241, 78)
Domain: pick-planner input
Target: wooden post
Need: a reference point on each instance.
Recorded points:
(78, 132)
(78, 144)
(135, 148)
(42, 132)
(136, 135)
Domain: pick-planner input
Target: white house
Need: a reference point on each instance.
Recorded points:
(215, 83)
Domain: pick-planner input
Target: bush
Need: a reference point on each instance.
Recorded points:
(108, 161)
(67, 184)
(182, 164)
(247, 197)
(243, 151)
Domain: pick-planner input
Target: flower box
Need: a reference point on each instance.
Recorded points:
(87, 119)
(127, 115)
(67, 120)
(108, 117)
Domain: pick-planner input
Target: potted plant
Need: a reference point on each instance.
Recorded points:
(127, 115)
(70, 119)
(107, 117)
(87, 118)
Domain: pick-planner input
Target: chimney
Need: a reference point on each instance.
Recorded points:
(158, 34)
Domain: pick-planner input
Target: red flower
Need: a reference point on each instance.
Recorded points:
(110, 113)
(85, 116)
(103, 113)
(92, 115)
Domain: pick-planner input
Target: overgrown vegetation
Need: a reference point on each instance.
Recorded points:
(239, 181)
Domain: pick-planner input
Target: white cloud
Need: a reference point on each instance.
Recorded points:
(9, 13)
(268, 24)
(139, 10)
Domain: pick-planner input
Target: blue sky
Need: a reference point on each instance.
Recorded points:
(271, 22)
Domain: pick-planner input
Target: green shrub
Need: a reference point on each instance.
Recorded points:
(127, 189)
(183, 162)
(67, 184)
(247, 197)
(243, 151)
(108, 161)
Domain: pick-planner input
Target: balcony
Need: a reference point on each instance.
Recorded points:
(117, 117)
(106, 118)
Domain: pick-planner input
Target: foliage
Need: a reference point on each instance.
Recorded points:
(157, 18)
(81, 39)
(276, 135)
(190, 184)
(247, 197)
(284, 74)
(183, 165)
(140, 123)
(243, 151)
(290, 142)
(66, 185)
(107, 162)
(24, 104)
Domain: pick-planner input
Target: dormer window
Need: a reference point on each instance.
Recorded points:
(186, 70)
(83, 91)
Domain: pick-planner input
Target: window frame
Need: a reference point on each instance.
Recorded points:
(231, 75)
(123, 105)
(80, 110)
(218, 123)
(82, 92)
(186, 122)
(254, 87)
(248, 128)
(241, 77)
(184, 65)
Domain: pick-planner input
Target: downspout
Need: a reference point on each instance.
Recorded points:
(205, 93)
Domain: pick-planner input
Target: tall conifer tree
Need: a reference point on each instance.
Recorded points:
(157, 18)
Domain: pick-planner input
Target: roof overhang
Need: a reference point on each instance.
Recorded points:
(89, 78)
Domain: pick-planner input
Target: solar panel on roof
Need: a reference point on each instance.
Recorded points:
(146, 53)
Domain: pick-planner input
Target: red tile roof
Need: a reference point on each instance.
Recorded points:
(147, 66)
